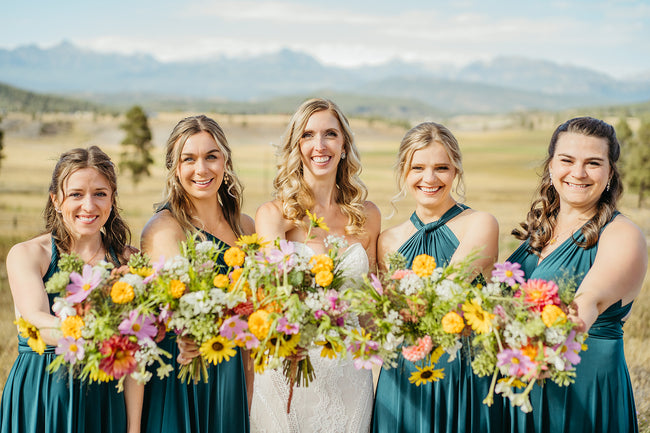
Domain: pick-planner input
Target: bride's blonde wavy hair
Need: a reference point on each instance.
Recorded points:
(289, 186)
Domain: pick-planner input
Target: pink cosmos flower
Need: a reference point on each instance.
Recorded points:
(286, 327)
(141, 326)
(421, 349)
(157, 266)
(367, 364)
(570, 348)
(283, 257)
(233, 326)
(509, 273)
(248, 339)
(72, 350)
(517, 363)
(81, 285)
(374, 281)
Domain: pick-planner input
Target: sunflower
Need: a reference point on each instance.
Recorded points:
(425, 375)
(33, 335)
(479, 319)
(251, 242)
(515, 382)
(99, 375)
(234, 257)
(144, 271)
(316, 222)
(217, 349)
(285, 343)
(260, 363)
(330, 348)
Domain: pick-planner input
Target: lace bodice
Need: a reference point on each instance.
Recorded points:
(338, 400)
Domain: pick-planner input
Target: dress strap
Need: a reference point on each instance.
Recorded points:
(54, 261)
(450, 214)
(116, 260)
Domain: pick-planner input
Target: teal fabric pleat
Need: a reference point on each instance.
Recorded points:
(34, 400)
(454, 403)
(218, 406)
(601, 399)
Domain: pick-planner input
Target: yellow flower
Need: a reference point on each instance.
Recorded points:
(436, 354)
(321, 262)
(423, 265)
(217, 349)
(33, 335)
(122, 292)
(515, 382)
(316, 222)
(283, 345)
(71, 327)
(330, 348)
(176, 288)
(221, 281)
(479, 319)
(425, 375)
(324, 278)
(552, 314)
(452, 323)
(259, 324)
(144, 272)
(234, 257)
(530, 351)
(99, 375)
(259, 364)
(253, 241)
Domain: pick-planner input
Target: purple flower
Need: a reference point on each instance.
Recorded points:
(286, 327)
(157, 266)
(517, 364)
(81, 285)
(248, 339)
(233, 326)
(367, 364)
(283, 257)
(72, 350)
(570, 348)
(509, 273)
(374, 281)
(143, 327)
(318, 314)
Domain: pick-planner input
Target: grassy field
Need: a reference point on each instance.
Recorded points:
(501, 165)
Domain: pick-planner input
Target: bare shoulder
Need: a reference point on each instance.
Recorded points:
(473, 216)
(371, 210)
(270, 209)
(247, 224)
(162, 222)
(31, 254)
(392, 238)
(161, 235)
(622, 232)
(269, 221)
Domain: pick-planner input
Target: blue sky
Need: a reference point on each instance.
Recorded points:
(609, 36)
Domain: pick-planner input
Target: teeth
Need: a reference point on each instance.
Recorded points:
(319, 159)
(427, 189)
(202, 182)
(87, 219)
(573, 185)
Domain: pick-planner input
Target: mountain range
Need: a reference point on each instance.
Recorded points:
(503, 84)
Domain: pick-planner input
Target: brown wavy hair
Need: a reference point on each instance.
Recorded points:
(175, 198)
(542, 217)
(115, 233)
(419, 137)
(289, 185)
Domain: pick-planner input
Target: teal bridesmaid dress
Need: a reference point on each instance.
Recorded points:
(601, 399)
(218, 406)
(454, 403)
(34, 400)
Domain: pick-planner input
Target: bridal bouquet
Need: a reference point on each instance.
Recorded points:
(531, 337)
(108, 325)
(195, 294)
(423, 309)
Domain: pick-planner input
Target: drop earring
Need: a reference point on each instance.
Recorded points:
(607, 188)
(550, 176)
(343, 155)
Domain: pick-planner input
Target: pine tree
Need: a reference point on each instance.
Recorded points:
(136, 155)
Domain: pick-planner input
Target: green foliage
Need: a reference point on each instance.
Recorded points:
(136, 155)
(636, 159)
(2, 145)
(14, 99)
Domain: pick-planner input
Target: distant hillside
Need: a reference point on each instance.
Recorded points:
(503, 84)
(14, 99)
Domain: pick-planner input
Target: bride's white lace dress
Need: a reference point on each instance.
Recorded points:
(338, 400)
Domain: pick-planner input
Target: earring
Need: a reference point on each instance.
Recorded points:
(550, 176)
(57, 210)
(343, 155)
(226, 178)
(607, 188)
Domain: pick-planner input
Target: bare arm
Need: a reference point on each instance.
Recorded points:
(133, 396)
(161, 236)
(269, 222)
(373, 227)
(26, 264)
(480, 234)
(617, 273)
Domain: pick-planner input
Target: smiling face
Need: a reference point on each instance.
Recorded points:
(86, 200)
(321, 145)
(580, 169)
(430, 176)
(201, 166)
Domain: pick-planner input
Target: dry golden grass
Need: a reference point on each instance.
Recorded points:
(501, 167)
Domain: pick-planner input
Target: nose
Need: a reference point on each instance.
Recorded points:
(579, 171)
(200, 166)
(88, 202)
(429, 176)
(320, 142)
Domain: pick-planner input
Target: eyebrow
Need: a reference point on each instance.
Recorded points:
(193, 153)
(593, 158)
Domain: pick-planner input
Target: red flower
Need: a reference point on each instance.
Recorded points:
(539, 293)
(244, 308)
(120, 360)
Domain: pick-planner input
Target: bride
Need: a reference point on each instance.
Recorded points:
(319, 171)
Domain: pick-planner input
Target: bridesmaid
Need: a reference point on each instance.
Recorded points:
(81, 217)
(573, 227)
(428, 165)
(204, 196)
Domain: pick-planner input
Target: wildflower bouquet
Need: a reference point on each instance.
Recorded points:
(532, 335)
(418, 309)
(195, 294)
(297, 306)
(109, 329)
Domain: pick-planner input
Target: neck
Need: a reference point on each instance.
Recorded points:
(428, 214)
(89, 248)
(324, 192)
(568, 215)
(207, 214)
